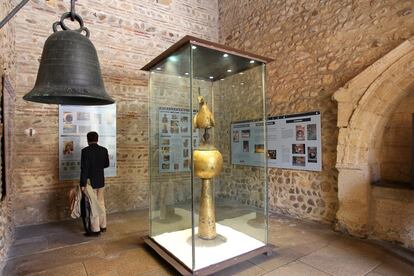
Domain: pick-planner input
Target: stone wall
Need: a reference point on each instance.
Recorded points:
(317, 46)
(365, 106)
(392, 215)
(126, 34)
(7, 66)
(396, 154)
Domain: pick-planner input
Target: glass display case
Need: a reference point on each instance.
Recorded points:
(207, 149)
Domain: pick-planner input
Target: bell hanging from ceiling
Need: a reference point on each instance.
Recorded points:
(69, 71)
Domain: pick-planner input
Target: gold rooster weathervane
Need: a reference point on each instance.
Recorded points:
(204, 118)
(208, 163)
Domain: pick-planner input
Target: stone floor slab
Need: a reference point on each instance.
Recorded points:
(296, 269)
(130, 262)
(302, 248)
(75, 269)
(242, 269)
(343, 260)
(28, 246)
(393, 266)
(50, 259)
(277, 259)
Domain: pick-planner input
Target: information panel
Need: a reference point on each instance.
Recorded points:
(247, 146)
(74, 123)
(293, 142)
(175, 139)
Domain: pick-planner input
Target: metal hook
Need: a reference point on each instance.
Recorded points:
(72, 10)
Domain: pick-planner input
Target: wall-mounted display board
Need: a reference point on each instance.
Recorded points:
(74, 123)
(293, 142)
(175, 139)
(247, 146)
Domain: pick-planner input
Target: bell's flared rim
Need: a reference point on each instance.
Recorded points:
(66, 99)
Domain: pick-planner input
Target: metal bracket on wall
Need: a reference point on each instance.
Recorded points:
(13, 13)
(23, 3)
(412, 152)
(3, 166)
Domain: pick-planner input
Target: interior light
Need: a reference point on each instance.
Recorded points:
(225, 55)
(173, 58)
(186, 73)
(193, 47)
(241, 73)
(211, 77)
(158, 68)
(228, 70)
(252, 61)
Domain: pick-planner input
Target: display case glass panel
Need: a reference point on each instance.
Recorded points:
(205, 102)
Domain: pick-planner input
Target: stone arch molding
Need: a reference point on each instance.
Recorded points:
(364, 106)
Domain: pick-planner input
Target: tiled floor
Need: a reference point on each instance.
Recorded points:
(301, 249)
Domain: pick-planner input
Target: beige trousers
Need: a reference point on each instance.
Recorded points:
(99, 222)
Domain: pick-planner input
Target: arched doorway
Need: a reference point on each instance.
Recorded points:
(364, 106)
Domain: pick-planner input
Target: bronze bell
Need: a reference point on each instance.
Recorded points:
(69, 71)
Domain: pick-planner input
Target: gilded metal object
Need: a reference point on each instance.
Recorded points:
(69, 71)
(207, 222)
(204, 118)
(208, 163)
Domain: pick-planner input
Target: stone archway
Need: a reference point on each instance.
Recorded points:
(364, 106)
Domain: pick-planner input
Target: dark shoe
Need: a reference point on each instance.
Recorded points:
(92, 234)
(103, 230)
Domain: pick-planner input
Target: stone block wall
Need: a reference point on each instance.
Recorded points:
(7, 66)
(396, 149)
(365, 105)
(392, 215)
(127, 35)
(317, 46)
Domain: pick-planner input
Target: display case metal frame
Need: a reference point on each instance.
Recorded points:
(158, 248)
(184, 270)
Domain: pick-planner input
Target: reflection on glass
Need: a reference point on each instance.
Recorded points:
(232, 88)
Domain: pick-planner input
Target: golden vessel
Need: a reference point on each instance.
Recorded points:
(208, 163)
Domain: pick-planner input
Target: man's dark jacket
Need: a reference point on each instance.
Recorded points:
(94, 159)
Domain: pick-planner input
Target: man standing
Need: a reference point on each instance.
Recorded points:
(94, 159)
